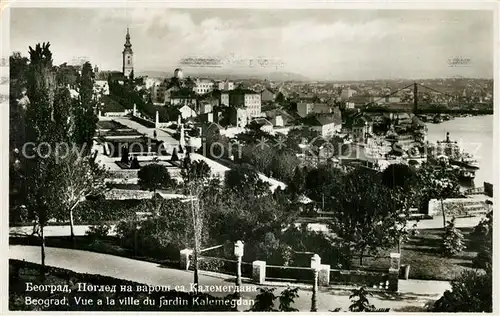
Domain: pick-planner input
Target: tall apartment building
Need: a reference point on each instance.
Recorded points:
(225, 85)
(306, 108)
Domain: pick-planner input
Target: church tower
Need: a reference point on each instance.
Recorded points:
(128, 62)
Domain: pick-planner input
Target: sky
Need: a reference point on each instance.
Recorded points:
(319, 44)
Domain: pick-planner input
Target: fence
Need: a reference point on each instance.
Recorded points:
(386, 279)
(287, 274)
(222, 265)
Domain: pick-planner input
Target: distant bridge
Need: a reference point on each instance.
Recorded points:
(417, 107)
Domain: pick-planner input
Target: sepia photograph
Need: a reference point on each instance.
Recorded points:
(262, 158)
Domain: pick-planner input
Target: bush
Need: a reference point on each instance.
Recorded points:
(453, 240)
(98, 231)
(211, 264)
(483, 259)
(264, 301)
(97, 211)
(471, 292)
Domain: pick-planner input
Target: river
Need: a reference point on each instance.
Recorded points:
(474, 135)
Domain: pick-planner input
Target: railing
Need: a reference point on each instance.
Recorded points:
(287, 274)
(222, 265)
(475, 191)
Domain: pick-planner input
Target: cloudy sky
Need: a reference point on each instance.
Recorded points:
(319, 44)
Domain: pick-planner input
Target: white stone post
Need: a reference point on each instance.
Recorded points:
(185, 261)
(394, 271)
(315, 266)
(238, 252)
(259, 271)
(324, 275)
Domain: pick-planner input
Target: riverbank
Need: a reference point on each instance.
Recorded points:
(475, 136)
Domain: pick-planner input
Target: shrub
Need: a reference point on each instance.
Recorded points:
(471, 292)
(360, 302)
(98, 231)
(287, 298)
(210, 264)
(453, 240)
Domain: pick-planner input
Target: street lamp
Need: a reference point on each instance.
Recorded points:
(315, 265)
(238, 252)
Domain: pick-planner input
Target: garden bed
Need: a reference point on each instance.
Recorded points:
(422, 253)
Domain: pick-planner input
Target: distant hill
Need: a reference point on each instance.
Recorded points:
(218, 74)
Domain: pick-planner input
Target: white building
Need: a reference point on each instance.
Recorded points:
(151, 82)
(326, 125)
(203, 86)
(101, 87)
(306, 108)
(187, 112)
(345, 94)
(224, 99)
(226, 85)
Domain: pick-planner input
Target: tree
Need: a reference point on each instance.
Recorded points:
(78, 177)
(360, 302)
(322, 182)
(197, 170)
(439, 182)
(298, 184)
(196, 175)
(453, 240)
(154, 177)
(244, 178)
(165, 234)
(85, 110)
(40, 187)
(295, 137)
(401, 179)
(280, 98)
(483, 237)
(470, 292)
(364, 217)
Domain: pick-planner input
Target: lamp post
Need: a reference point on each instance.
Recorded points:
(315, 265)
(238, 252)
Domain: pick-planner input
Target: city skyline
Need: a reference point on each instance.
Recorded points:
(318, 44)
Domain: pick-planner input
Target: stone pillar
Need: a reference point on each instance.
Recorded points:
(395, 260)
(259, 271)
(324, 275)
(394, 271)
(157, 119)
(184, 261)
(393, 280)
(134, 112)
(315, 261)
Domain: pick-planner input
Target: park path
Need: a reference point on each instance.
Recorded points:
(160, 134)
(155, 274)
(437, 222)
(54, 231)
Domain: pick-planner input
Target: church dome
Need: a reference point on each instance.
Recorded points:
(178, 73)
